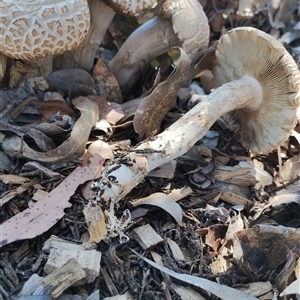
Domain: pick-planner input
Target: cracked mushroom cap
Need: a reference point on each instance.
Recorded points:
(134, 7)
(189, 23)
(32, 29)
(248, 51)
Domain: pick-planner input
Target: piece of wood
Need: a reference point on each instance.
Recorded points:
(146, 236)
(235, 199)
(54, 283)
(60, 251)
(176, 251)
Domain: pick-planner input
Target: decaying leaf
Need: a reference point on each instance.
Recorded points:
(265, 245)
(164, 171)
(45, 213)
(154, 107)
(70, 149)
(47, 108)
(106, 83)
(18, 191)
(110, 111)
(163, 201)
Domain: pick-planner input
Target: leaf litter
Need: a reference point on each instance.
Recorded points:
(234, 233)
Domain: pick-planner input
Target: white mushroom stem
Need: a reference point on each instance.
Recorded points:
(119, 178)
(83, 57)
(151, 39)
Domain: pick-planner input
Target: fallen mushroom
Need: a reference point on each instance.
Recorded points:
(35, 30)
(258, 83)
(185, 19)
(102, 13)
(151, 39)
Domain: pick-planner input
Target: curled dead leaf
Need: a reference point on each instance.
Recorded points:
(163, 201)
(70, 149)
(154, 107)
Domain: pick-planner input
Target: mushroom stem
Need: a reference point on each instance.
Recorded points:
(84, 56)
(151, 39)
(44, 65)
(178, 138)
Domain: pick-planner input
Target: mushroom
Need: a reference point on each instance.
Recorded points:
(266, 78)
(186, 19)
(259, 85)
(102, 13)
(34, 30)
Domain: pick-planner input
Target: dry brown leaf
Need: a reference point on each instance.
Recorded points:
(163, 201)
(106, 82)
(45, 213)
(47, 108)
(154, 107)
(265, 244)
(110, 111)
(13, 179)
(18, 191)
(71, 149)
(236, 224)
(164, 171)
(215, 236)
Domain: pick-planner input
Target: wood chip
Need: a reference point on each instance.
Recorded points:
(54, 283)
(146, 236)
(60, 251)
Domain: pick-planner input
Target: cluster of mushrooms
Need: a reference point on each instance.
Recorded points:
(257, 81)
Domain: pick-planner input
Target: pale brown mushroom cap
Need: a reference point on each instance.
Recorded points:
(248, 51)
(32, 29)
(189, 23)
(131, 6)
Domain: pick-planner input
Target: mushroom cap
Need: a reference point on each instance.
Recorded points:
(189, 23)
(131, 6)
(32, 29)
(249, 51)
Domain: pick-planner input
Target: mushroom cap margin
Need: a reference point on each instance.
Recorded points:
(249, 51)
(189, 23)
(32, 29)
